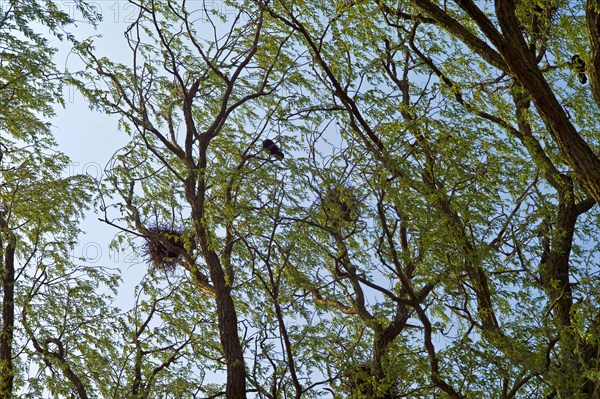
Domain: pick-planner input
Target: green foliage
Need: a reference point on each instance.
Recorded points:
(57, 310)
(416, 241)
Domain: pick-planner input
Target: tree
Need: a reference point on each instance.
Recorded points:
(160, 94)
(430, 232)
(47, 302)
(523, 66)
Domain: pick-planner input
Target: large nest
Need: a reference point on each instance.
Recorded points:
(163, 247)
(363, 382)
(341, 204)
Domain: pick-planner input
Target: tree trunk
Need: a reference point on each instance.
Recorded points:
(228, 329)
(521, 62)
(592, 14)
(7, 277)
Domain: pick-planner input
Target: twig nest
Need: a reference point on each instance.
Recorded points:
(163, 246)
(362, 382)
(341, 204)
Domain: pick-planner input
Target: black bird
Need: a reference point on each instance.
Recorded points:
(579, 66)
(272, 148)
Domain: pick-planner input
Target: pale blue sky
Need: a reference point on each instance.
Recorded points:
(90, 138)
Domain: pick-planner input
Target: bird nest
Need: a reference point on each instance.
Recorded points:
(341, 204)
(163, 248)
(363, 382)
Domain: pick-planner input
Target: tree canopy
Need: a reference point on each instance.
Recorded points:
(431, 231)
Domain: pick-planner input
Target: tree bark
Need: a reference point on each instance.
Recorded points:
(592, 14)
(228, 330)
(522, 64)
(195, 189)
(519, 61)
(7, 277)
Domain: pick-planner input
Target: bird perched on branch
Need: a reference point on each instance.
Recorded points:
(579, 66)
(272, 148)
